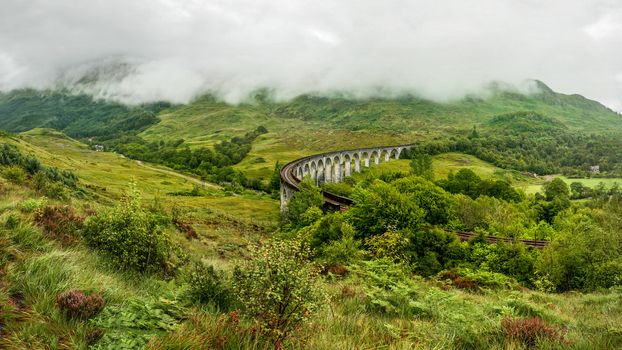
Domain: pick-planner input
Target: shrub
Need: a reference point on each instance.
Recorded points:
(278, 287)
(392, 245)
(389, 288)
(31, 204)
(60, 222)
(75, 304)
(341, 252)
(434, 250)
(464, 278)
(512, 259)
(528, 331)
(208, 286)
(15, 174)
(54, 190)
(326, 230)
(131, 237)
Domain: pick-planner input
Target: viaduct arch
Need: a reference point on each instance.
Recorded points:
(333, 167)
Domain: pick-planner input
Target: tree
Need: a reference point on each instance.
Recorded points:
(421, 165)
(278, 287)
(309, 196)
(474, 134)
(381, 207)
(557, 188)
(275, 180)
(429, 197)
(580, 191)
(464, 181)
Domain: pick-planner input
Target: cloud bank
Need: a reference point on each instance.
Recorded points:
(145, 50)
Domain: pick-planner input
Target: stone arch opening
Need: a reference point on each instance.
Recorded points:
(357, 162)
(337, 172)
(365, 157)
(347, 162)
(328, 170)
(375, 155)
(314, 172)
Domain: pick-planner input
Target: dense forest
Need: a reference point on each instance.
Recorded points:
(409, 219)
(531, 142)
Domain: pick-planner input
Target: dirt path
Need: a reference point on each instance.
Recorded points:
(173, 173)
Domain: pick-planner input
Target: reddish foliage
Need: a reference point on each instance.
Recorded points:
(338, 270)
(234, 318)
(348, 292)
(185, 228)
(60, 222)
(93, 335)
(76, 304)
(528, 330)
(458, 281)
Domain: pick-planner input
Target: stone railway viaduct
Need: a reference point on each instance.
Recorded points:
(335, 166)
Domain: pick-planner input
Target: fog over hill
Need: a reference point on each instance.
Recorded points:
(143, 50)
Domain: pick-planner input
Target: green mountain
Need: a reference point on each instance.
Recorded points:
(81, 115)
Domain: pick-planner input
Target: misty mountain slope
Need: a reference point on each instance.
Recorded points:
(76, 115)
(403, 115)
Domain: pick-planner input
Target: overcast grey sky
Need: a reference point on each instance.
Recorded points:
(439, 49)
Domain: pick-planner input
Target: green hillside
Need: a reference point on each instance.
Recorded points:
(370, 302)
(309, 123)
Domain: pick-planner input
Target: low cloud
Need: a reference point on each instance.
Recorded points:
(137, 51)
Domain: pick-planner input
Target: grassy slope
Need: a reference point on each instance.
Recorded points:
(43, 269)
(224, 222)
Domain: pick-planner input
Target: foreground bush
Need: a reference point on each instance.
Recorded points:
(75, 304)
(131, 237)
(278, 287)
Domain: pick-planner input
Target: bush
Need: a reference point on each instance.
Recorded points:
(528, 331)
(208, 286)
(60, 222)
(278, 287)
(389, 288)
(15, 174)
(434, 250)
(131, 237)
(75, 304)
(474, 280)
(511, 259)
(392, 245)
(341, 252)
(31, 204)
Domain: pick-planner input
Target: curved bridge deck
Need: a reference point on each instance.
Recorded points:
(335, 166)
